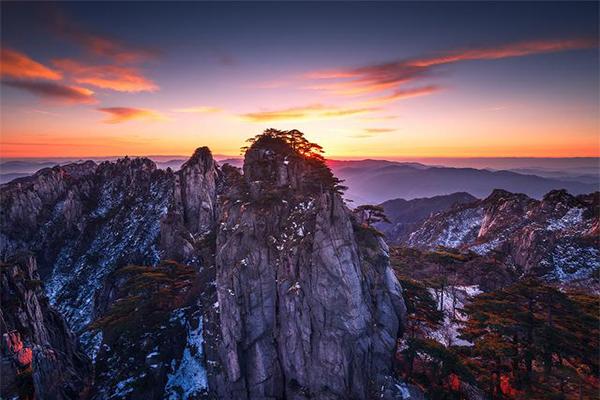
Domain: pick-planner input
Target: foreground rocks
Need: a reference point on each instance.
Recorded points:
(274, 290)
(40, 356)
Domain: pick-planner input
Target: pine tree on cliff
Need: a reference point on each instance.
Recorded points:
(294, 144)
(370, 214)
(532, 338)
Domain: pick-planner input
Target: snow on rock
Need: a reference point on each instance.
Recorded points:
(404, 391)
(573, 217)
(459, 228)
(572, 263)
(189, 377)
(451, 301)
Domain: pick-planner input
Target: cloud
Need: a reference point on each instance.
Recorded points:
(379, 130)
(310, 112)
(19, 66)
(113, 77)
(381, 118)
(55, 91)
(198, 110)
(96, 44)
(123, 114)
(401, 94)
(379, 78)
(371, 132)
(518, 49)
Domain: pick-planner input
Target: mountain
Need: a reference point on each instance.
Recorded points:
(209, 282)
(406, 215)
(377, 184)
(375, 181)
(555, 238)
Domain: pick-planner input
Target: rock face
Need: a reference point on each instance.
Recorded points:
(307, 309)
(40, 355)
(274, 290)
(84, 220)
(407, 215)
(555, 238)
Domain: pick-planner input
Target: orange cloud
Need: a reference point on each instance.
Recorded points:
(382, 118)
(510, 50)
(124, 114)
(18, 65)
(113, 77)
(382, 77)
(401, 94)
(55, 91)
(379, 130)
(198, 110)
(310, 112)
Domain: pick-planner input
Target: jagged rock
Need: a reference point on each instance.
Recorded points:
(307, 309)
(407, 215)
(40, 355)
(550, 238)
(292, 298)
(84, 220)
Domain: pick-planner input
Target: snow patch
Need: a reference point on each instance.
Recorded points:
(571, 218)
(189, 378)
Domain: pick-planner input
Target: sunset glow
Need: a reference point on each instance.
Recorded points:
(151, 79)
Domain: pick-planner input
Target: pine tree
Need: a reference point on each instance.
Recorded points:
(532, 339)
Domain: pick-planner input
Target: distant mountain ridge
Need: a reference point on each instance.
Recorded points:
(376, 185)
(376, 181)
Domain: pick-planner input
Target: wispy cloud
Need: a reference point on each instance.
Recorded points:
(310, 112)
(403, 94)
(371, 132)
(55, 91)
(123, 114)
(94, 43)
(17, 65)
(381, 118)
(379, 130)
(275, 84)
(379, 78)
(518, 49)
(44, 112)
(198, 110)
(113, 77)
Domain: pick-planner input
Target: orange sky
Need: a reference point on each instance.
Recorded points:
(107, 95)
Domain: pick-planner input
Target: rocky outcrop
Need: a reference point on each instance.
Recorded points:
(82, 221)
(40, 355)
(551, 238)
(309, 308)
(274, 291)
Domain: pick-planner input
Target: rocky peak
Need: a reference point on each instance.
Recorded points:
(552, 238)
(309, 307)
(289, 296)
(196, 189)
(558, 202)
(202, 158)
(502, 209)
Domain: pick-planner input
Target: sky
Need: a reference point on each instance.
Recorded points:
(363, 79)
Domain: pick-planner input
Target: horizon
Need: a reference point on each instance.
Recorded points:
(96, 79)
